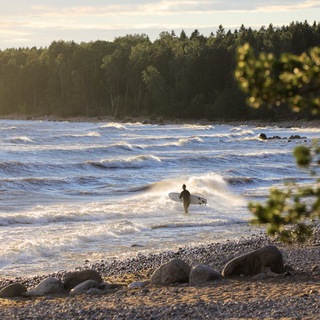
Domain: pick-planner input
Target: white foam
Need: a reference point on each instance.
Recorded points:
(131, 162)
(23, 139)
(113, 125)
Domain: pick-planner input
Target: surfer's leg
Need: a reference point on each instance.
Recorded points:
(186, 205)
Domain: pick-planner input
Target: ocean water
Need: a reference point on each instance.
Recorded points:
(71, 192)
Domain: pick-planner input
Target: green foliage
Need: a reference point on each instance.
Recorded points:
(293, 81)
(195, 74)
(290, 79)
(156, 90)
(289, 213)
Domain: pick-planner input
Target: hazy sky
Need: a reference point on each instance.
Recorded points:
(39, 22)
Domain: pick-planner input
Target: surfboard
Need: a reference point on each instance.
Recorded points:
(193, 198)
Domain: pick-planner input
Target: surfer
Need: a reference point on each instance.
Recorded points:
(185, 195)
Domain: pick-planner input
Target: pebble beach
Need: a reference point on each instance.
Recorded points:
(289, 296)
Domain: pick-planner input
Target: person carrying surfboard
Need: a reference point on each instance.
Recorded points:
(185, 195)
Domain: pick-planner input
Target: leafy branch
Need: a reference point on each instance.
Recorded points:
(293, 81)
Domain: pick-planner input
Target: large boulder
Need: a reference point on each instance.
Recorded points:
(174, 271)
(72, 279)
(201, 274)
(13, 290)
(49, 285)
(255, 262)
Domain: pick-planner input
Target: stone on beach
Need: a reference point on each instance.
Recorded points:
(138, 284)
(174, 271)
(84, 287)
(13, 290)
(255, 262)
(201, 274)
(49, 285)
(72, 279)
(269, 296)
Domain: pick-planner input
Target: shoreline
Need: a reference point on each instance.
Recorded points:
(290, 297)
(303, 123)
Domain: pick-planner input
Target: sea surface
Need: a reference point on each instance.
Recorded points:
(71, 192)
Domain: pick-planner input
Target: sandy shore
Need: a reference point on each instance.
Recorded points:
(294, 296)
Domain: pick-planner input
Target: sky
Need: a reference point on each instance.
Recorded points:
(29, 23)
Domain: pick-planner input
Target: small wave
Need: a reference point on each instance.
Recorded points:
(233, 134)
(239, 180)
(122, 145)
(34, 181)
(190, 140)
(214, 223)
(83, 135)
(12, 166)
(21, 139)
(133, 162)
(117, 146)
(34, 168)
(276, 155)
(198, 126)
(56, 215)
(9, 128)
(242, 133)
(113, 125)
(183, 142)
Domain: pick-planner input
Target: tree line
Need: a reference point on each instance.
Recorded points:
(172, 77)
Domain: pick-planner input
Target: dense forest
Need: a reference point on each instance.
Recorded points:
(175, 76)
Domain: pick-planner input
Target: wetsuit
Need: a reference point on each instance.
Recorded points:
(185, 195)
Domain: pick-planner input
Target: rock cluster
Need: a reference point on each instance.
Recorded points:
(78, 282)
(206, 293)
(263, 136)
(175, 271)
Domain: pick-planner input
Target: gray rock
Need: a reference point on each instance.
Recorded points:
(72, 279)
(13, 290)
(138, 284)
(260, 276)
(95, 291)
(255, 262)
(84, 287)
(110, 286)
(202, 274)
(174, 271)
(49, 285)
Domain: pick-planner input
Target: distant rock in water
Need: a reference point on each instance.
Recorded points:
(296, 137)
(263, 136)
